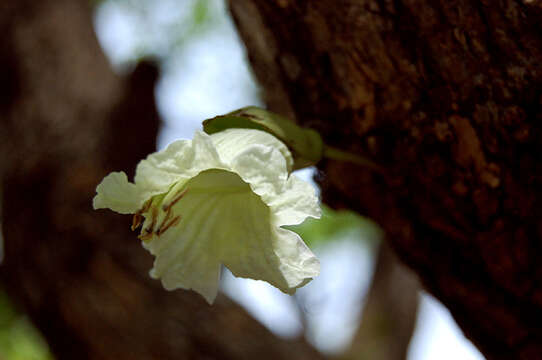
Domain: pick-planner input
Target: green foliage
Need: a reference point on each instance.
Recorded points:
(200, 12)
(19, 340)
(335, 225)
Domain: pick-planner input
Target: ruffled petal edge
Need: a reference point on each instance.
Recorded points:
(115, 192)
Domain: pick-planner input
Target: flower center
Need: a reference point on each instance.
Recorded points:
(161, 211)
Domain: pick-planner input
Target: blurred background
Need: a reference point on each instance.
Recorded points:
(204, 72)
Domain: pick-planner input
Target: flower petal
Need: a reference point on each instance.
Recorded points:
(223, 221)
(117, 194)
(259, 250)
(182, 159)
(297, 202)
(186, 254)
(264, 168)
(232, 142)
(297, 262)
(248, 247)
(291, 199)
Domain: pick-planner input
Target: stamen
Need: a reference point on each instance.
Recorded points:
(136, 220)
(154, 217)
(166, 218)
(146, 206)
(175, 200)
(173, 222)
(145, 237)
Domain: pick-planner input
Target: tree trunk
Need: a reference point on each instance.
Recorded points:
(446, 97)
(66, 121)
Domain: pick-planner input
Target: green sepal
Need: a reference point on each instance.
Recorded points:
(306, 145)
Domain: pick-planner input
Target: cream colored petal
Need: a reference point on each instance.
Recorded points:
(264, 168)
(159, 170)
(259, 250)
(298, 264)
(186, 254)
(117, 194)
(248, 245)
(223, 221)
(182, 159)
(291, 199)
(230, 143)
(297, 202)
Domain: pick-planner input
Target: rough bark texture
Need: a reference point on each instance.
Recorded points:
(66, 121)
(446, 97)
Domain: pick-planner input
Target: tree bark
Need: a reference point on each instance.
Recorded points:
(66, 121)
(446, 97)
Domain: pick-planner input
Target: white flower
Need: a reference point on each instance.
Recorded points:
(218, 199)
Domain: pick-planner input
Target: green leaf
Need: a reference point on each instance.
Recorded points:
(19, 340)
(335, 225)
(305, 145)
(200, 12)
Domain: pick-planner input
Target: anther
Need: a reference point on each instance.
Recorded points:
(175, 200)
(145, 237)
(153, 222)
(146, 206)
(136, 220)
(173, 222)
